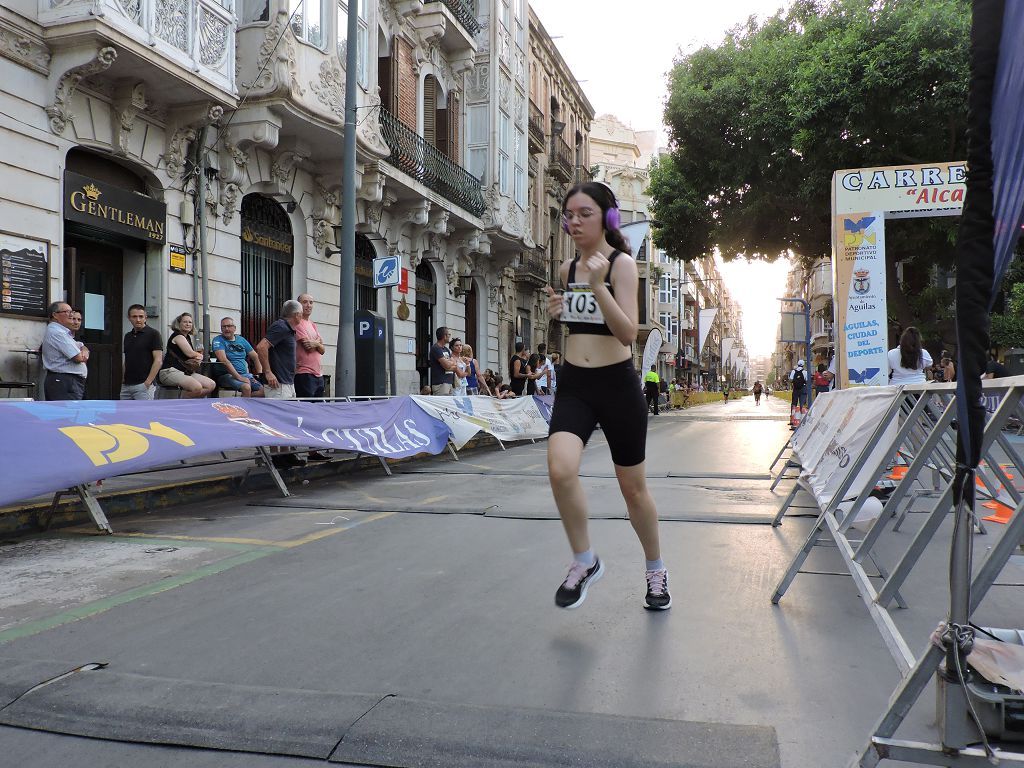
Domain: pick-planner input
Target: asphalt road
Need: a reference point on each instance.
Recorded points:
(409, 621)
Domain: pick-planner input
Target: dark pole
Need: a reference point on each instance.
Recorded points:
(345, 357)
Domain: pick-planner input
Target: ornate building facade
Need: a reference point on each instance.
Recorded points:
(560, 117)
(219, 122)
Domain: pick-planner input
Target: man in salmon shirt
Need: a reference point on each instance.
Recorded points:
(309, 348)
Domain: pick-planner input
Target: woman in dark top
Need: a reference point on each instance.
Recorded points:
(182, 361)
(598, 385)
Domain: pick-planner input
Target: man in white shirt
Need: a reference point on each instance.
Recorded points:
(547, 380)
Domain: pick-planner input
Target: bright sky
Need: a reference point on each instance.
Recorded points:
(621, 60)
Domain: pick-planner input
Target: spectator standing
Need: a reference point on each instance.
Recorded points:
(143, 356)
(182, 361)
(461, 387)
(442, 367)
(309, 348)
(233, 354)
(276, 352)
(908, 361)
(476, 384)
(535, 363)
(556, 370)
(546, 374)
(64, 359)
(519, 370)
(76, 324)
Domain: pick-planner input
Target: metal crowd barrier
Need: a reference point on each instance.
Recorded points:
(923, 446)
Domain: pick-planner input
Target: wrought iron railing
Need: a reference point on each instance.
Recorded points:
(535, 122)
(463, 12)
(531, 266)
(562, 162)
(411, 153)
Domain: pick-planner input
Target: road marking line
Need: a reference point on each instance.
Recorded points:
(164, 585)
(433, 499)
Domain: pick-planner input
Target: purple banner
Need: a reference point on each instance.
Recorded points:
(55, 445)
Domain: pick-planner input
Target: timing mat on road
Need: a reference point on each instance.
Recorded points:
(385, 729)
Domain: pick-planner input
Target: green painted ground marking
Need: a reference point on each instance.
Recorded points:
(105, 604)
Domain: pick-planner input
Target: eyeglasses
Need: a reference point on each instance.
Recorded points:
(63, 311)
(582, 215)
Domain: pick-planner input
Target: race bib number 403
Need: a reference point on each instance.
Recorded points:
(580, 306)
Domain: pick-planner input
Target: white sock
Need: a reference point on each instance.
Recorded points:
(587, 558)
(656, 565)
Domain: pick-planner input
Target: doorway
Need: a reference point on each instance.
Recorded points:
(94, 276)
(473, 320)
(426, 296)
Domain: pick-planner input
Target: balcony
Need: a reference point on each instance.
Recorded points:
(194, 40)
(531, 268)
(582, 175)
(460, 27)
(411, 154)
(536, 125)
(562, 162)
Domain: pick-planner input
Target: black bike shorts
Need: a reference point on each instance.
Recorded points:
(610, 396)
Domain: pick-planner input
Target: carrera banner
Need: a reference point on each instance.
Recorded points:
(862, 333)
(517, 418)
(55, 445)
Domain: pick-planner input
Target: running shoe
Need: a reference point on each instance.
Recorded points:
(658, 598)
(573, 591)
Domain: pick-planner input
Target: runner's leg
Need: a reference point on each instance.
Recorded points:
(565, 451)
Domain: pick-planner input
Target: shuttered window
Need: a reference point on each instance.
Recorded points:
(430, 110)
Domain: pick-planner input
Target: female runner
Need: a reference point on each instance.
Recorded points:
(598, 385)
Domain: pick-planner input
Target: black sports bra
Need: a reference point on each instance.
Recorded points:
(594, 329)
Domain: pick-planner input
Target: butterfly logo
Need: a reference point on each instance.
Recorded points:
(856, 233)
(863, 377)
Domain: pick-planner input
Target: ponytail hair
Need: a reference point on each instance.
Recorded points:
(910, 349)
(602, 194)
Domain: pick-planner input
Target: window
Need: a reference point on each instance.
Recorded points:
(253, 11)
(308, 20)
(504, 151)
(669, 324)
(477, 141)
(519, 153)
(665, 289)
(362, 40)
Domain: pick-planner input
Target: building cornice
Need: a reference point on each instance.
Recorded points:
(539, 34)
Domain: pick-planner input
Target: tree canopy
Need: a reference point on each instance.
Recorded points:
(759, 124)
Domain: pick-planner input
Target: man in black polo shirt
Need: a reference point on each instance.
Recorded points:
(143, 356)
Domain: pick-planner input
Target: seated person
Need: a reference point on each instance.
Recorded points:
(505, 392)
(233, 354)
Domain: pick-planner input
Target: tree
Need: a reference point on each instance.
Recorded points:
(759, 124)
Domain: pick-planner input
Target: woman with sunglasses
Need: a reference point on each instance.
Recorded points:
(598, 385)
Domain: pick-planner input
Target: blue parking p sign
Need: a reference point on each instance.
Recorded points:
(386, 271)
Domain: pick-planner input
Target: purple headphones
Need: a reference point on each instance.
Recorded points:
(612, 219)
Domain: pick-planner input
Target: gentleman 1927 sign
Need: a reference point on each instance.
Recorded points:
(113, 209)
